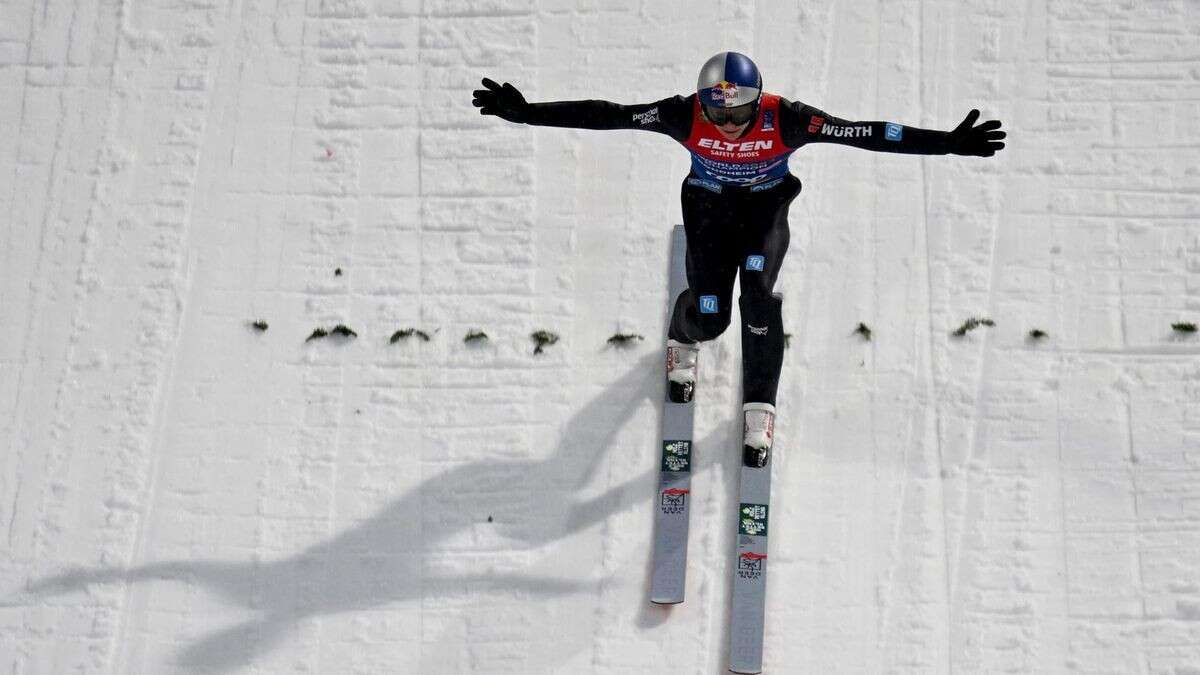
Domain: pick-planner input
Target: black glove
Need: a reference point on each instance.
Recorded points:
(504, 102)
(980, 141)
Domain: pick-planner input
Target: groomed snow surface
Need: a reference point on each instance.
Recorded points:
(181, 492)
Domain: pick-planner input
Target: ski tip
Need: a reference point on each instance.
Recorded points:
(745, 671)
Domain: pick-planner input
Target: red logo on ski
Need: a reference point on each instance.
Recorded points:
(674, 500)
(750, 565)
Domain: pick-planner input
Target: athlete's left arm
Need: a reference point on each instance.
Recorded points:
(801, 124)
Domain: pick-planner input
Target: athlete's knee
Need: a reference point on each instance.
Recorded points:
(712, 316)
(707, 316)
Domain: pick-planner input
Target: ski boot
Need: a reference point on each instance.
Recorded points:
(759, 434)
(681, 370)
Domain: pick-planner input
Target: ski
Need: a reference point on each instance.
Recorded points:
(675, 467)
(746, 617)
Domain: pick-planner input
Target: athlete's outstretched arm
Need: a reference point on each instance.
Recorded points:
(668, 116)
(806, 124)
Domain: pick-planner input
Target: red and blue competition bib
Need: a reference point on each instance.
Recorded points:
(757, 160)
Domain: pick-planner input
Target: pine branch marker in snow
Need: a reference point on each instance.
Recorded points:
(623, 339)
(475, 336)
(864, 331)
(407, 333)
(970, 325)
(787, 340)
(340, 330)
(260, 325)
(1186, 328)
(543, 338)
(1038, 334)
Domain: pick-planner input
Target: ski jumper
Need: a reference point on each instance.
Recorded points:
(735, 202)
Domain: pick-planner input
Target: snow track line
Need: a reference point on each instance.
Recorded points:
(885, 595)
(56, 456)
(69, 358)
(931, 374)
(152, 488)
(932, 400)
(983, 387)
(1062, 495)
(883, 613)
(181, 286)
(1132, 466)
(16, 453)
(49, 508)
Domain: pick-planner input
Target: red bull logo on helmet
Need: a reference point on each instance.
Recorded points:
(723, 93)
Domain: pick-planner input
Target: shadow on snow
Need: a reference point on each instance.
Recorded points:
(384, 559)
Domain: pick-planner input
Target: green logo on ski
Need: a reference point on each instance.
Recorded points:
(677, 456)
(752, 519)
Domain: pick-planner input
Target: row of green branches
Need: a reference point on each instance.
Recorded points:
(1183, 328)
(541, 338)
(545, 338)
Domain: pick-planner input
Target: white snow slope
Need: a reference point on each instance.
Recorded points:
(180, 492)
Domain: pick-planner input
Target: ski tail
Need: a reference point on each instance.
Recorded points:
(747, 611)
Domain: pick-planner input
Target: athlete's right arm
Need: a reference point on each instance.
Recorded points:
(670, 116)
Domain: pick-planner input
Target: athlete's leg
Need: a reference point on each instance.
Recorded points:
(702, 311)
(763, 246)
